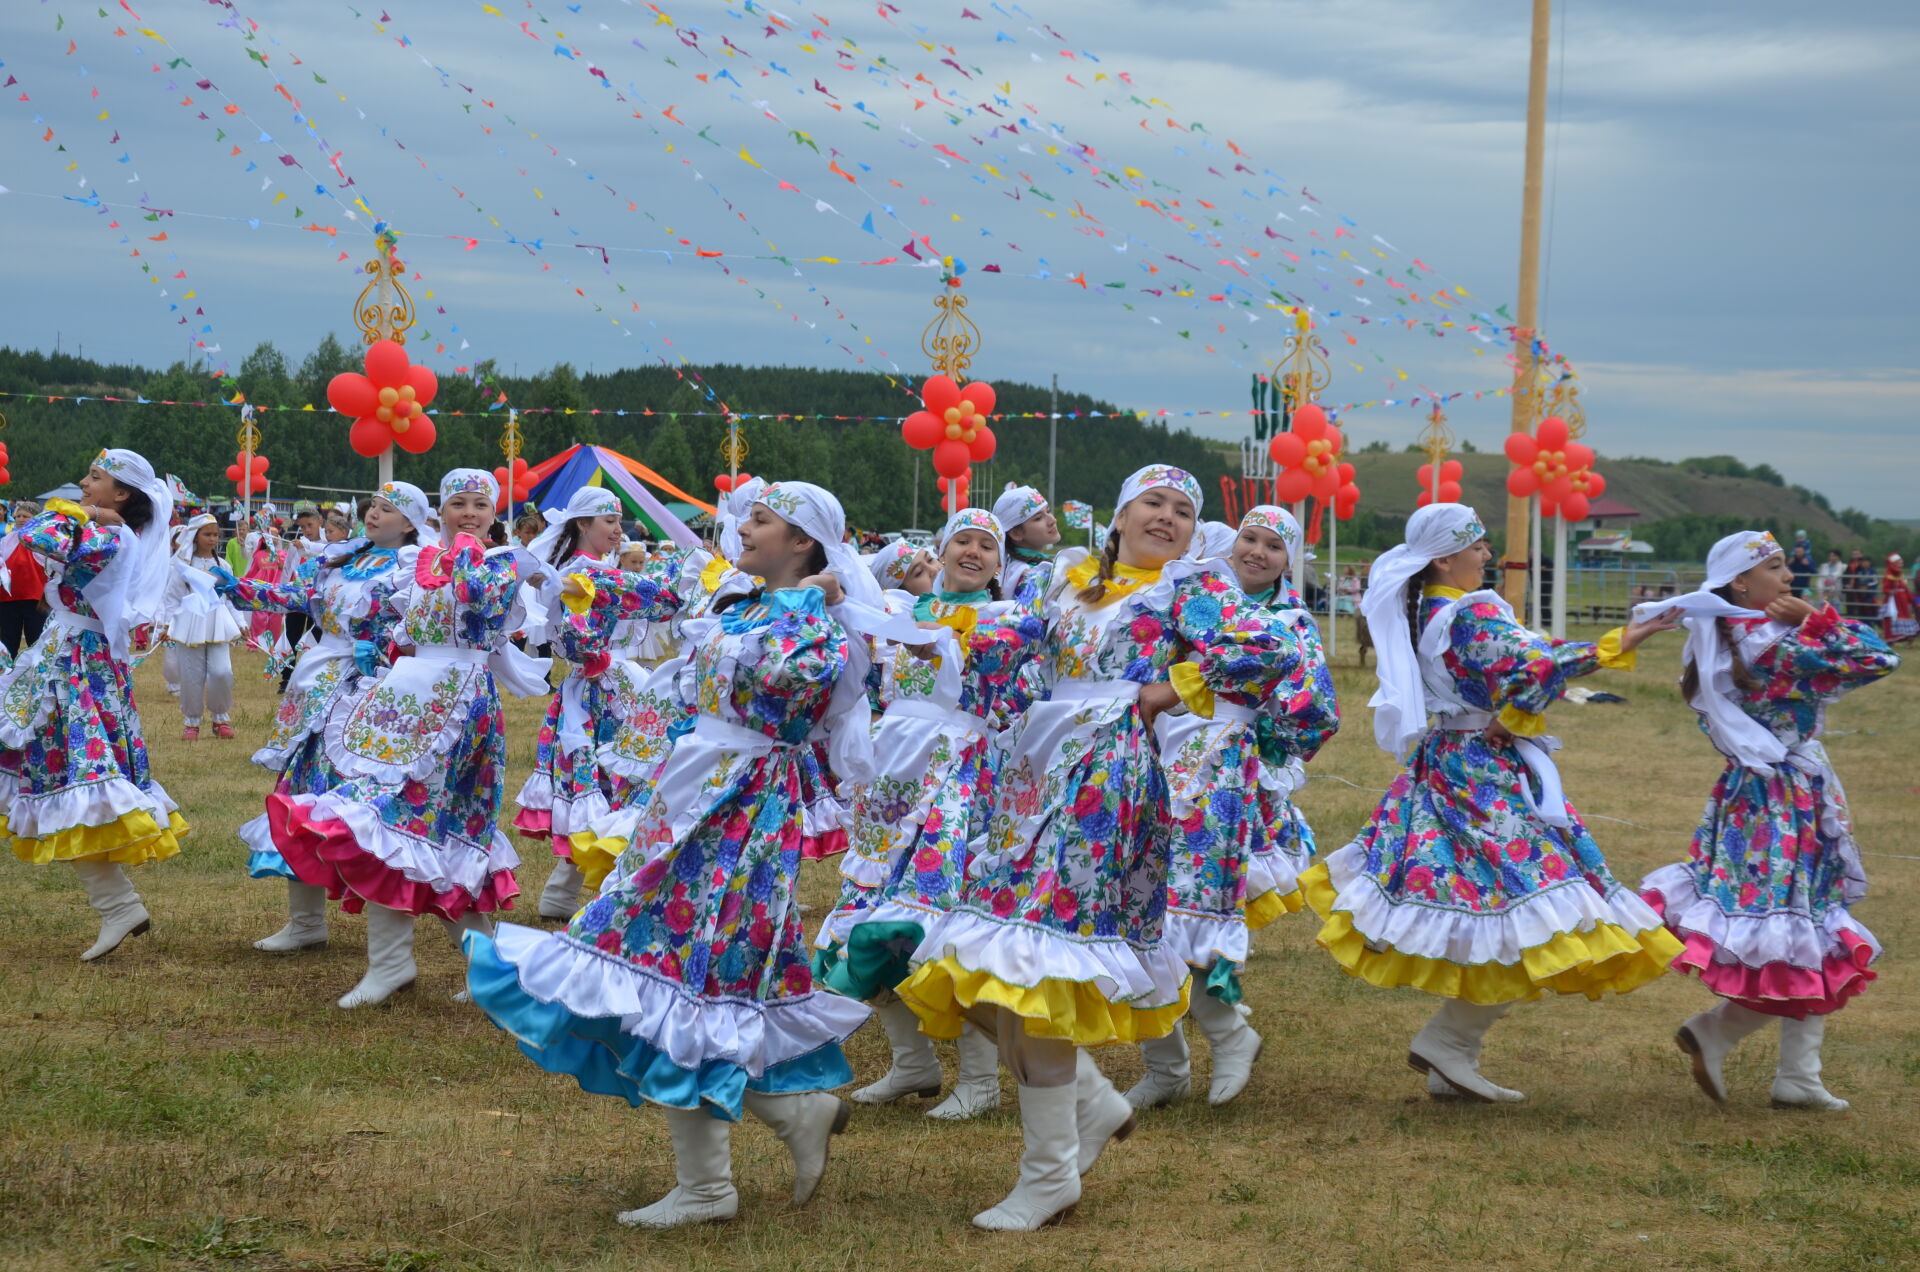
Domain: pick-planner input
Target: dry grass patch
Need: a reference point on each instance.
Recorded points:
(193, 1103)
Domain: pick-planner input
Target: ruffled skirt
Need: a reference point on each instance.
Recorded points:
(1457, 889)
(1764, 903)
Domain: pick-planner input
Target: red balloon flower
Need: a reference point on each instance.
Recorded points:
(388, 404)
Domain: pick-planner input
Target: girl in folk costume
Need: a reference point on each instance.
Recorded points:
(74, 784)
(568, 790)
(268, 557)
(1031, 532)
(1238, 841)
(1764, 900)
(1475, 880)
(1898, 621)
(201, 626)
(412, 828)
(936, 752)
(685, 982)
(347, 599)
(647, 710)
(1055, 943)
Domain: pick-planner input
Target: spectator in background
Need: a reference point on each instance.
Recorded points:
(1861, 588)
(1827, 581)
(23, 608)
(1800, 563)
(1897, 621)
(527, 527)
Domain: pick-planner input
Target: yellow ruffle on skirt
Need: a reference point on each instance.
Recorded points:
(1271, 905)
(1605, 959)
(594, 857)
(939, 993)
(133, 839)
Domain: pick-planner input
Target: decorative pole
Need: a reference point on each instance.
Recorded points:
(1304, 373)
(1520, 548)
(249, 440)
(510, 443)
(950, 342)
(384, 310)
(1565, 402)
(1436, 439)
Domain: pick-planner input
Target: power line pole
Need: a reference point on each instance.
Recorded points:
(1520, 548)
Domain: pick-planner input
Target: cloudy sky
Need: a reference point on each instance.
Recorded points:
(1731, 196)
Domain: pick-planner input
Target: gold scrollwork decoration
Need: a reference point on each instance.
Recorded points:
(952, 339)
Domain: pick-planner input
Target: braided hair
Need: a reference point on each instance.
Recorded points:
(1096, 591)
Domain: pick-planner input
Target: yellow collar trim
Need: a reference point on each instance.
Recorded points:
(1441, 592)
(1125, 577)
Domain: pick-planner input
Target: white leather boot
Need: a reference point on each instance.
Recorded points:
(390, 966)
(111, 894)
(1711, 1035)
(976, 1089)
(703, 1176)
(306, 927)
(1049, 1185)
(1236, 1046)
(1796, 1082)
(916, 1067)
(1101, 1115)
(1450, 1043)
(1169, 1074)
(560, 899)
(805, 1122)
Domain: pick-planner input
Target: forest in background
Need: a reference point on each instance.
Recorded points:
(1687, 503)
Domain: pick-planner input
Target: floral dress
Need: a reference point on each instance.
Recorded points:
(1027, 579)
(1294, 723)
(347, 603)
(73, 766)
(937, 753)
(1228, 872)
(1473, 879)
(267, 561)
(685, 982)
(1764, 900)
(1061, 922)
(421, 755)
(569, 791)
(647, 712)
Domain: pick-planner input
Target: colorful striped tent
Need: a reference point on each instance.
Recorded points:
(551, 483)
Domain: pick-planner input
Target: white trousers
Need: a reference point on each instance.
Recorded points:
(206, 682)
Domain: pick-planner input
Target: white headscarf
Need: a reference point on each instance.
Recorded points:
(972, 519)
(183, 536)
(1282, 523)
(1018, 505)
(862, 611)
(735, 506)
(410, 502)
(1154, 476)
(467, 481)
(890, 564)
(1735, 733)
(588, 501)
(130, 592)
(1400, 704)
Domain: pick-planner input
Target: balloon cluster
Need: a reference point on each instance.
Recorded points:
(726, 485)
(953, 425)
(521, 483)
(249, 478)
(1450, 474)
(5, 476)
(1310, 466)
(388, 404)
(1550, 464)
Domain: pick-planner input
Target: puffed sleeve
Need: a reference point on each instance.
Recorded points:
(1235, 647)
(996, 651)
(803, 653)
(483, 585)
(1824, 657)
(1516, 673)
(64, 532)
(608, 597)
(294, 594)
(1303, 714)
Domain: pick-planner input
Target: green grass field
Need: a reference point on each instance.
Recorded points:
(189, 1102)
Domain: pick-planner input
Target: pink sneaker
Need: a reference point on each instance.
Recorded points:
(190, 734)
(222, 729)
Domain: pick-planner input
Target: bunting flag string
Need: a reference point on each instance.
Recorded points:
(201, 331)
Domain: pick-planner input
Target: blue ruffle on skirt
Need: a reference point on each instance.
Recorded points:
(594, 1052)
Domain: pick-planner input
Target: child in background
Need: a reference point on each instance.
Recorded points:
(200, 627)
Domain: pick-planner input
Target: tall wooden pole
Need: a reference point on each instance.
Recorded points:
(1520, 548)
